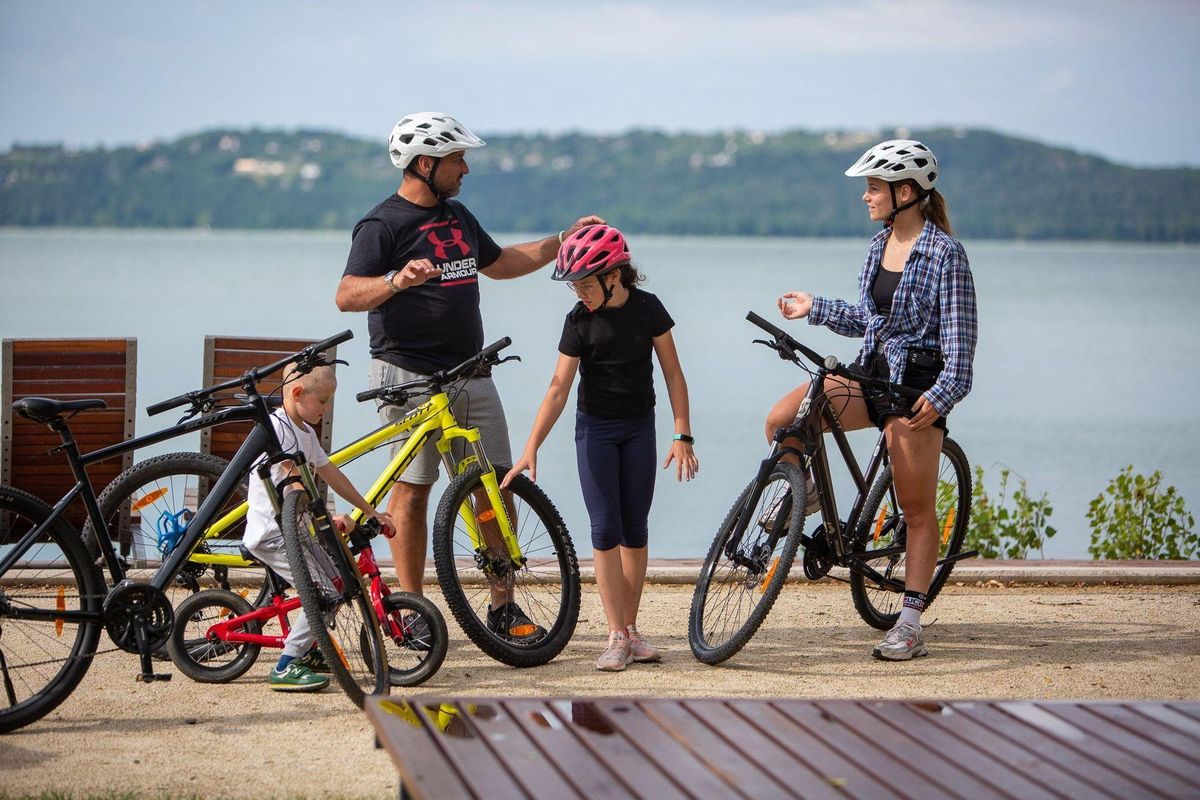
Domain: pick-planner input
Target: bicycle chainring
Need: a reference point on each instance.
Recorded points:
(818, 558)
(133, 606)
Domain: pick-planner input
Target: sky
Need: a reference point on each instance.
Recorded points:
(1115, 78)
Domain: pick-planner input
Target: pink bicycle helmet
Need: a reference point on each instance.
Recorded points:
(593, 250)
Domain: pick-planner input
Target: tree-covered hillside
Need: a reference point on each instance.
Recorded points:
(720, 183)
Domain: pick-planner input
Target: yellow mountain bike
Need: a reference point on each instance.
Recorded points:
(491, 547)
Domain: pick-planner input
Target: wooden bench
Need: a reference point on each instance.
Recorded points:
(717, 748)
(66, 369)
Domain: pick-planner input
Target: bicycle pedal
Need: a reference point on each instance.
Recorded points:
(152, 677)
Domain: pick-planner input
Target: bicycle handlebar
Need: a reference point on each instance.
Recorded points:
(486, 356)
(785, 342)
(307, 357)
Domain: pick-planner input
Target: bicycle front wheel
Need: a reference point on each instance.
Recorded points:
(537, 602)
(334, 600)
(43, 660)
(415, 634)
(882, 528)
(197, 652)
(747, 565)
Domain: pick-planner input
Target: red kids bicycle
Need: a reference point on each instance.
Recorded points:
(218, 634)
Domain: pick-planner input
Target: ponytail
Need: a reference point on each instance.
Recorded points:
(933, 208)
(630, 276)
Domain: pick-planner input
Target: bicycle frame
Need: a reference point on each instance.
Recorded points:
(423, 422)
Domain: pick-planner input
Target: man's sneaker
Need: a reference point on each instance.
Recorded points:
(297, 678)
(643, 651)
(314, 661)
(901, 643)
(416, 634)
(617, 656)
(510, 622)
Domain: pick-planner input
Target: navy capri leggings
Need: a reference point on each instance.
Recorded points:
(616, 471)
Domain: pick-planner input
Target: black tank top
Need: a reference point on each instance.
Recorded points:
(884, 288)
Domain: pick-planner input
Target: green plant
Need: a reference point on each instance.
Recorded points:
(1009, 526)
(1136, 518)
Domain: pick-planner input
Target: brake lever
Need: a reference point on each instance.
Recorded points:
(506, 360)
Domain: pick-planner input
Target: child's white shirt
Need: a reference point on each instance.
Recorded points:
(260, 518)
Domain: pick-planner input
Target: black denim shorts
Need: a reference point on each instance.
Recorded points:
(922, 366)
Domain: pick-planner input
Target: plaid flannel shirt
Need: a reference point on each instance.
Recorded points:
(934, 306)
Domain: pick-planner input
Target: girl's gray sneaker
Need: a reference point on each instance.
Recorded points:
(901, 643)
(617, 655)
(643, 651)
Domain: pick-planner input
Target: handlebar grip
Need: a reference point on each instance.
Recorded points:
(333, 341)
(495, 347)
(766, 326)
(167, 405)
(369, 394)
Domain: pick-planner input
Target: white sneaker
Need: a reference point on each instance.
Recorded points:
(903, 642)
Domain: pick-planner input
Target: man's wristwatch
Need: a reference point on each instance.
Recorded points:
(389, 280)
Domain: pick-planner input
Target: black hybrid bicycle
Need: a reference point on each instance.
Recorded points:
(54, 598)
(752, 554)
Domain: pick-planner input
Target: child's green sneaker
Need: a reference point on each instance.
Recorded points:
(297, 678)
(315, 661)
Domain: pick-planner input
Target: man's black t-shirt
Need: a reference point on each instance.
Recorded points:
(435, 325)
(613, 347)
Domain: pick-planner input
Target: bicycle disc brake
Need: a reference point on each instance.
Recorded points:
(818, 558)
(495, 568)
(138, 611)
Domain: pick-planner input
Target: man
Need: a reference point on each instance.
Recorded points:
(414, 264)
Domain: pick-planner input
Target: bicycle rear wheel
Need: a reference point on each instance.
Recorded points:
(200, 655)
(334, 599)
(545, 586)
(42, 661)
(415, 635)
(747, 566)
(882, 527)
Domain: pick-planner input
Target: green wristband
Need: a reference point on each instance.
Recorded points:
(683, 437)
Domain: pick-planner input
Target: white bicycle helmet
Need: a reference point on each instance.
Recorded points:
(428, 133)
(897, 160)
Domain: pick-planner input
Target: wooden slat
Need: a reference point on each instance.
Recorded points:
(412, 746)
(530, 767)
(1160, 733)
(918, 721)
(1133, 749)
(543, 727)
(614, 751)
(1169, 716)
(822, 725)
(464, 748)
(1055, 749)
(661, 746)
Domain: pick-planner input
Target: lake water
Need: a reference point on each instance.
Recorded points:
(1087, 359)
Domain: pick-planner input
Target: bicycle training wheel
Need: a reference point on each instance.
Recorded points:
(147, 509)
(882, 528)
(415, 635)
(537, 602)
(201, 655)
(42, 661)
(746, 566)
(334, 600)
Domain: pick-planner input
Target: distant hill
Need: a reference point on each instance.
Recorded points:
(735, 183)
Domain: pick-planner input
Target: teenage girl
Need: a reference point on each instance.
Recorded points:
(608, 338)
(916, 312)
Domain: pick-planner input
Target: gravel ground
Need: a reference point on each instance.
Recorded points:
(183, 739)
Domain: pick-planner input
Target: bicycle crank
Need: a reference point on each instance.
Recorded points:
(138, 617)
(818, 558)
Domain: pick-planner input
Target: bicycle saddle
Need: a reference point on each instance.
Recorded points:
(46, 409)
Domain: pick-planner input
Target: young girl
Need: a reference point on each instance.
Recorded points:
(608, 337)
(916, 312)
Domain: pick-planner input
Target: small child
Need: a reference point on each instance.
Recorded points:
(306, 398)
(608, 337)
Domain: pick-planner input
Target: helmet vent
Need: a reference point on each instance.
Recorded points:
(932, 177)
(920, 162)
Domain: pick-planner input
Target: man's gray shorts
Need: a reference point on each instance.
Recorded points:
(476, 406)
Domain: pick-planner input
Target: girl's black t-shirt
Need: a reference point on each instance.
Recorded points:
(614, 350)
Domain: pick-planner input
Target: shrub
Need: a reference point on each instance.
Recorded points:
(1007, 526)
(1135, 518)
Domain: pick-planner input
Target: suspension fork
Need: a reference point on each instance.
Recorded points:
(491, 486)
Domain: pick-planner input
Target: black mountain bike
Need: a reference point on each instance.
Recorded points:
(54, 598)
(752, 554)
